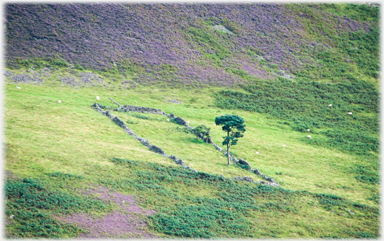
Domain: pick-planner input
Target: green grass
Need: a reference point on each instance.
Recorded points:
(71, 146)
(305, 105)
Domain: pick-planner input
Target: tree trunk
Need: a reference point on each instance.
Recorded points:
(228, 150)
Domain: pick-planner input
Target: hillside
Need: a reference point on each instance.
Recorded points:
(194, 44)
(96, 96)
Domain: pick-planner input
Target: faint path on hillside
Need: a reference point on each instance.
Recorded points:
(126, 221)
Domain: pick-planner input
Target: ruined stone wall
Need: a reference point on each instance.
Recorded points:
(177, 160)
(143, 141)
(141, 109)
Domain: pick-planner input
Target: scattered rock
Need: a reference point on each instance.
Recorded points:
(87, 78)
(173, 101)
(222, 28)
(180, 121)
(69, 80)
(45, 71)
(25, 78)
(8, 73)
(246, 179)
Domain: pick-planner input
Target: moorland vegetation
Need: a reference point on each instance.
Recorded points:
(304, 78)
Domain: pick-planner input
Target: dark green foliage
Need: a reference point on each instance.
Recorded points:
(246, 167)
(202, 132)
(359, 12)
(201, 221)
(233, 125)
(224, 214)
(184, 129)
(37, 63)
(29, 193)
(123, 161)
(64, 176)
(221, 215)
(304, 105)
(32, 203)
(329, 200)
(367, 174)
(375, 198)
(36, 224)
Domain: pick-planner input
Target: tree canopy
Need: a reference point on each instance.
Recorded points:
(234, 126)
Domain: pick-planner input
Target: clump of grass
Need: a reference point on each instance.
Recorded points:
(64, 176)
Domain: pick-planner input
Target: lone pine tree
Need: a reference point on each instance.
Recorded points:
(234, 126)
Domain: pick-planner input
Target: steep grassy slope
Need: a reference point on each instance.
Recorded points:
(44, 137)
(196, 44)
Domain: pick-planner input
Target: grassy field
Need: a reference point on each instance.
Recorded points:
(317, 184)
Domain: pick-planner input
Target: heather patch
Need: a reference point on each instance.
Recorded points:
(125, 221)
(192, 44)
(346, 50)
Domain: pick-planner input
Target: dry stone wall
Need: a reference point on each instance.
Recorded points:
(141, 109)
(145, 142)
(179, 121)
